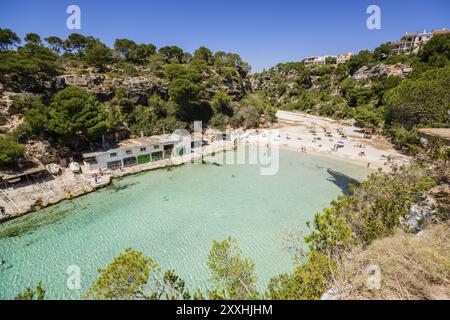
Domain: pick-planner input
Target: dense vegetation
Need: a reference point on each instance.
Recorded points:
(202, 86)
(213, 87)
(207, 86)
(363, 88)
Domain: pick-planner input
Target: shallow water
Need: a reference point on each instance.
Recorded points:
(172, 216)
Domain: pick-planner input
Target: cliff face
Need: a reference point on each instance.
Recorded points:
(286, 84)
(380, 71)
(137, 88)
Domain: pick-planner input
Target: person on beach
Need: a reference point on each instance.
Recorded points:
(368, 165)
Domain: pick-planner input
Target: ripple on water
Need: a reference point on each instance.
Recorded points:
(173, 216)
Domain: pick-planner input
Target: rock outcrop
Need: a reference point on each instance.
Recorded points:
(420, 213)
(381, 71)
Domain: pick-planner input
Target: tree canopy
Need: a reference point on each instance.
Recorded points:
(8, 39)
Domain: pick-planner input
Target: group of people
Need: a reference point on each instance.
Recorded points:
(335, 147)
(303, 149)
(96, 176)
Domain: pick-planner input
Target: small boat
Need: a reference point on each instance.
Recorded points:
(74, 167)
(53, 168)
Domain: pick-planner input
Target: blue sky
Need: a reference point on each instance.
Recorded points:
(263, 32)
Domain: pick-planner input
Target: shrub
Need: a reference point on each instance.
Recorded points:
(10, 151)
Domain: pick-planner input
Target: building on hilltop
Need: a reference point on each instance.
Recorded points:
(317, 60)
(321, 60)
(413, 42)
(343, 58)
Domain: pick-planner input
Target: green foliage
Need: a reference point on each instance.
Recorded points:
(363, 58)
(421, 102)
(171, 54)
(76, 42)
(132, 52)
(8, 39)
(332, 235)
(359, 96)
(98, 55)
(179, 71)
(373, 211)
(307, 282)
(221, 103)
(173, 288)
(33, 38)
(186, 96)
(73, 118)
(133, 276)
(232, 275)
(28, 65)
(438, 149)
(250, 110)
(76, 116)
(382, 52)
(369, 118)
(204, 54)
(37, 118)
(10, 151)
(436, 52)
(3, 119)
(330, 60)
(222, 107)
(56, 44)
(406, 138)
(390, 82)
(32, 294)
(126, 278)
(20, 104)
(156, 118)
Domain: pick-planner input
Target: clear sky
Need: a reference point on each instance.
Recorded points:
(263, 32)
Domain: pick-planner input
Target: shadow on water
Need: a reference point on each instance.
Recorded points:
(29, 223)
(211, 163)
(116, 188)
(342, 180)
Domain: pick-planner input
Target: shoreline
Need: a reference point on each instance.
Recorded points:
(327, 155)
(61, 194)
(68, 186)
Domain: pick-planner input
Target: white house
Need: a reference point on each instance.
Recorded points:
(134, 151)
(413, 42)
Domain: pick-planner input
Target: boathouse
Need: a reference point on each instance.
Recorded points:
(135, 151)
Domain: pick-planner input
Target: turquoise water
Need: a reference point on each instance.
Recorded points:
(172, 216)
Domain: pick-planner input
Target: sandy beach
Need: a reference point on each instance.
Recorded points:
(307, 133)
(294, 131)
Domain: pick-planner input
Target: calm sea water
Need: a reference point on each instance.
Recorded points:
(172, 216)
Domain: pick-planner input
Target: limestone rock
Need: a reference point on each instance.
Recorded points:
(381, 71)
(419, 213)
